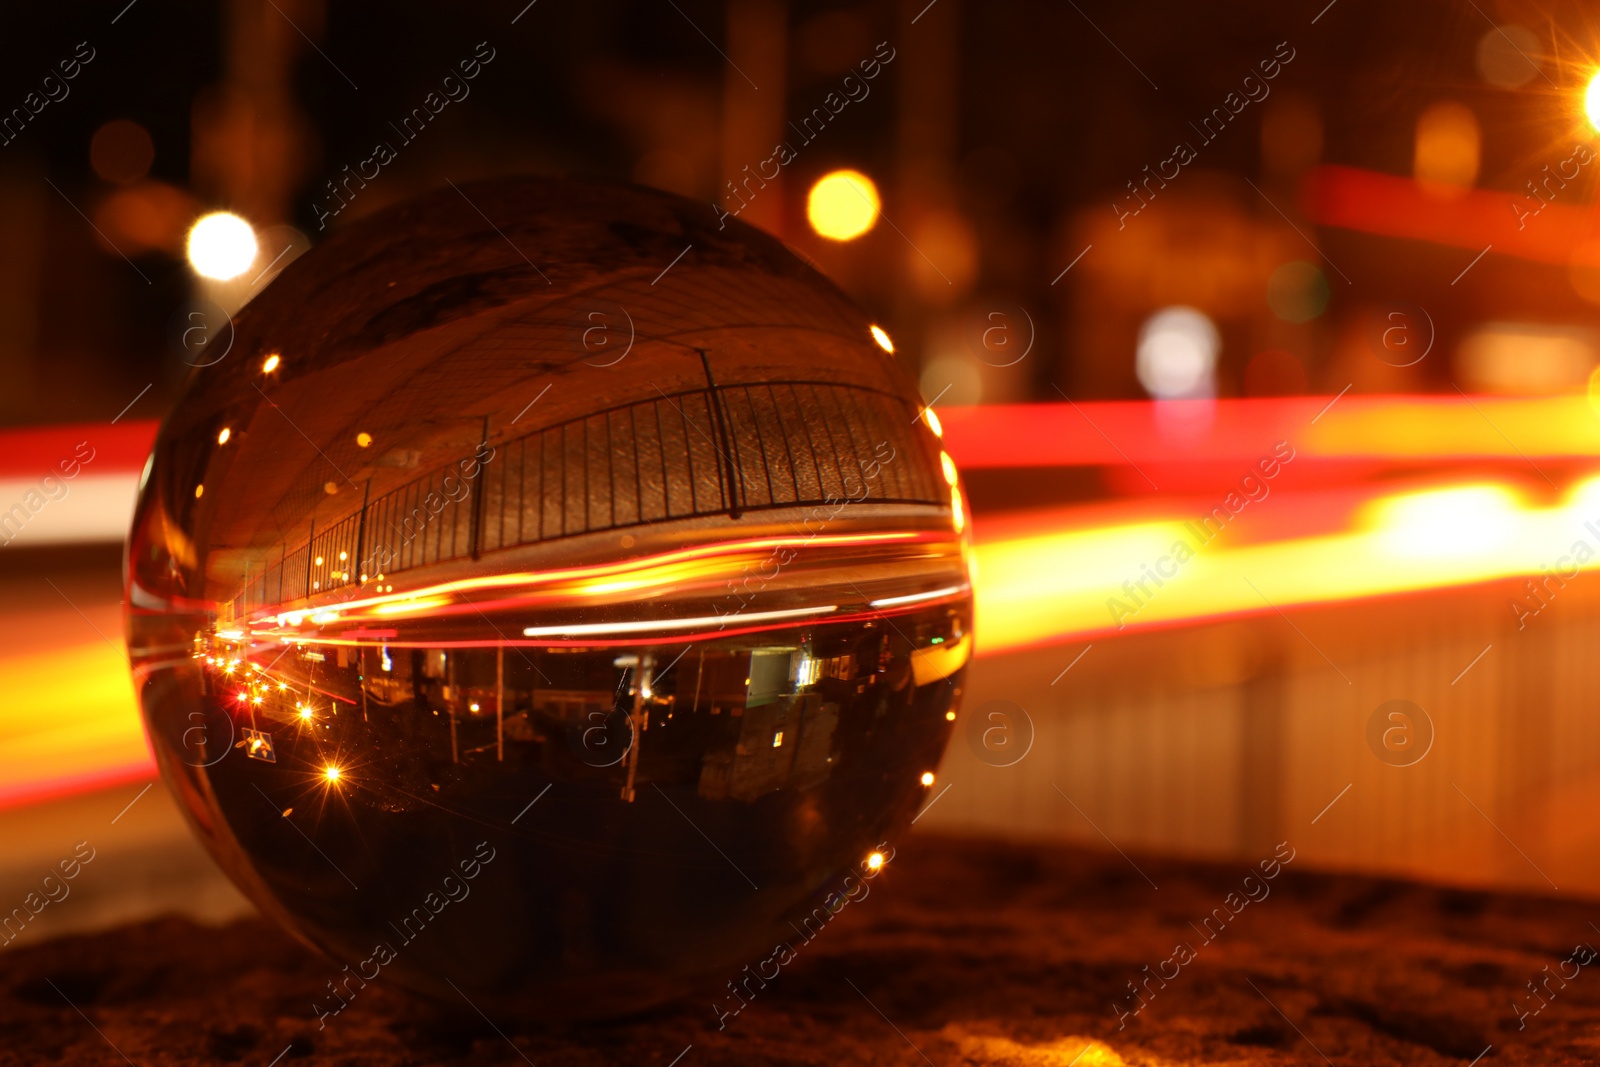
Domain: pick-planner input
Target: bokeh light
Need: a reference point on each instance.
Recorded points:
(221, 246)
(1297, 292)
(1177, 354)
(1448, 148)
(121, 151)
(1591, 101)
(843, 205)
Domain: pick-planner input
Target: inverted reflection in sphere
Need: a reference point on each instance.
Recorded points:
(574, 602)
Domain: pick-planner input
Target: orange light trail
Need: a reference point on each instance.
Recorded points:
(1045, 577)
(598, 580)
(1376, 430)
(1390, 206)
(1045, 586)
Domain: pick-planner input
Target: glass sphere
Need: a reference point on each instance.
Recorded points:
(550, 599)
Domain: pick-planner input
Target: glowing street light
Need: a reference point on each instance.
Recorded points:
(843, 205)
(221, 246)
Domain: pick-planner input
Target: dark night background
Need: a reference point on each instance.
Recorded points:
(1017, 124)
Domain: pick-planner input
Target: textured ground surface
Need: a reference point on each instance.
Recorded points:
(963, 954)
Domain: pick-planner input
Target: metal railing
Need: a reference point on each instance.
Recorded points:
(726, 449)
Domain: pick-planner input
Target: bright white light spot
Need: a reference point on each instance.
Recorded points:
(221, 246)
(927, 778)
(1465, 521)
(1177, 355)
(271, 363)
(1591, 101)
(882, 338)
(875, 861)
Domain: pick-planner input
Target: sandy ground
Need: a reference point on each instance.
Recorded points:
(965, 953)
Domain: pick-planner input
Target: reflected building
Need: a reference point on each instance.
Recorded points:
(595, 532)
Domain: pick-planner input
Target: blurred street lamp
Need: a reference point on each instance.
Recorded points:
(222, 246)
(1177, 354)
(843, 205)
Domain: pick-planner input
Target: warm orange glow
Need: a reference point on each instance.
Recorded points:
(364, 440)
(1048, 575)
(958, 512)
(1403, 207)
(950, 715)
(222, 438)
(332, 773)
(199, 491)
(843, 205)
(933, 422)
(1591, 101)
(1382, 430)
(411, 605)
(875, 861)
(882, 338)
(1447, 147)
(949, 467)
(927, 777)
(1049, 585)
(270, 364)
(607, 579)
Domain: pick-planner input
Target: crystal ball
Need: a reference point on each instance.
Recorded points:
(554, 597)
